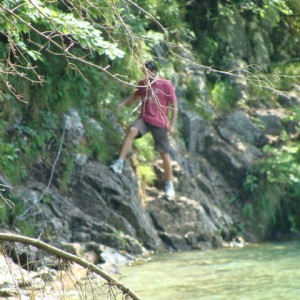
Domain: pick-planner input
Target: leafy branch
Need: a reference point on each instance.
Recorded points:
(80, 31)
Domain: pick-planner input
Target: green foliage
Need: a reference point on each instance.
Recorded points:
(271, 12)
(274, 184)
(145, 155)
(145, 146)
(248, 211)
(282, 166)
(146, 174)
(194, 96)
(47, 198)
(68, 23)
(7, 211)
(10, 153)
(208, 19)
(210, 49)
(3, 213)
(96, 144)
(25, 144)
(67, 165)
(223, 95)
(111, 140)
(10, 209)
(64, 88)
(288, 74)
(265, 210)
(171, 14)
(11, 162)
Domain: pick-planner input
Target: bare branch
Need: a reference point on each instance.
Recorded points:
(69, 258)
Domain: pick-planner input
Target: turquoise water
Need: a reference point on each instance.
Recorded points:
(265, 271)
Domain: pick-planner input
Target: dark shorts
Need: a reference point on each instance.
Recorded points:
(160, 135)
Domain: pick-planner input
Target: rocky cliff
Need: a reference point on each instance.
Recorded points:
(210, 166)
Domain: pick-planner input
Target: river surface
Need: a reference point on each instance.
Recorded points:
(255, 272)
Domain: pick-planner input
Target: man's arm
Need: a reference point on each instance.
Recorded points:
(131, 99)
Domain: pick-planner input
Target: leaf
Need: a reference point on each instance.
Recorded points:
(35, 55)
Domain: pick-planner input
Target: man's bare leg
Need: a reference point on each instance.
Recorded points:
(168, 175)
(117, 166)
(167, 166)
(127, 143)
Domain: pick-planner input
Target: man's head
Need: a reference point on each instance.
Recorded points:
(151, 66)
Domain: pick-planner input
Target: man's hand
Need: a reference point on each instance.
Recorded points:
(171, 130)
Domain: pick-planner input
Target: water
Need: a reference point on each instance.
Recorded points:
(255, 272)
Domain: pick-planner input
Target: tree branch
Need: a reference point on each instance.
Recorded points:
(70, 257)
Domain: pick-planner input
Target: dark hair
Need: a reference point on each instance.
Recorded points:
(151, 66)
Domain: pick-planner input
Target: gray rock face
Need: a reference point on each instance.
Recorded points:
(102, 207)
(113, 199)
(271, 121)
(194, 130)
(210, 166)
(73, 127)
(184, 224)
(230, 147)
(240, 123)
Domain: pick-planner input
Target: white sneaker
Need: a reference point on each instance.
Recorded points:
(169, 190)
(117, 166)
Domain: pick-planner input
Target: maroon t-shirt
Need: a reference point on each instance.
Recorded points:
(157, 98)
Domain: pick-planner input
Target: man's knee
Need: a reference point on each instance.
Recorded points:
(165, 155)
(132, 132)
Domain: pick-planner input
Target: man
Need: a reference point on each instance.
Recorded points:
(158, 100)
